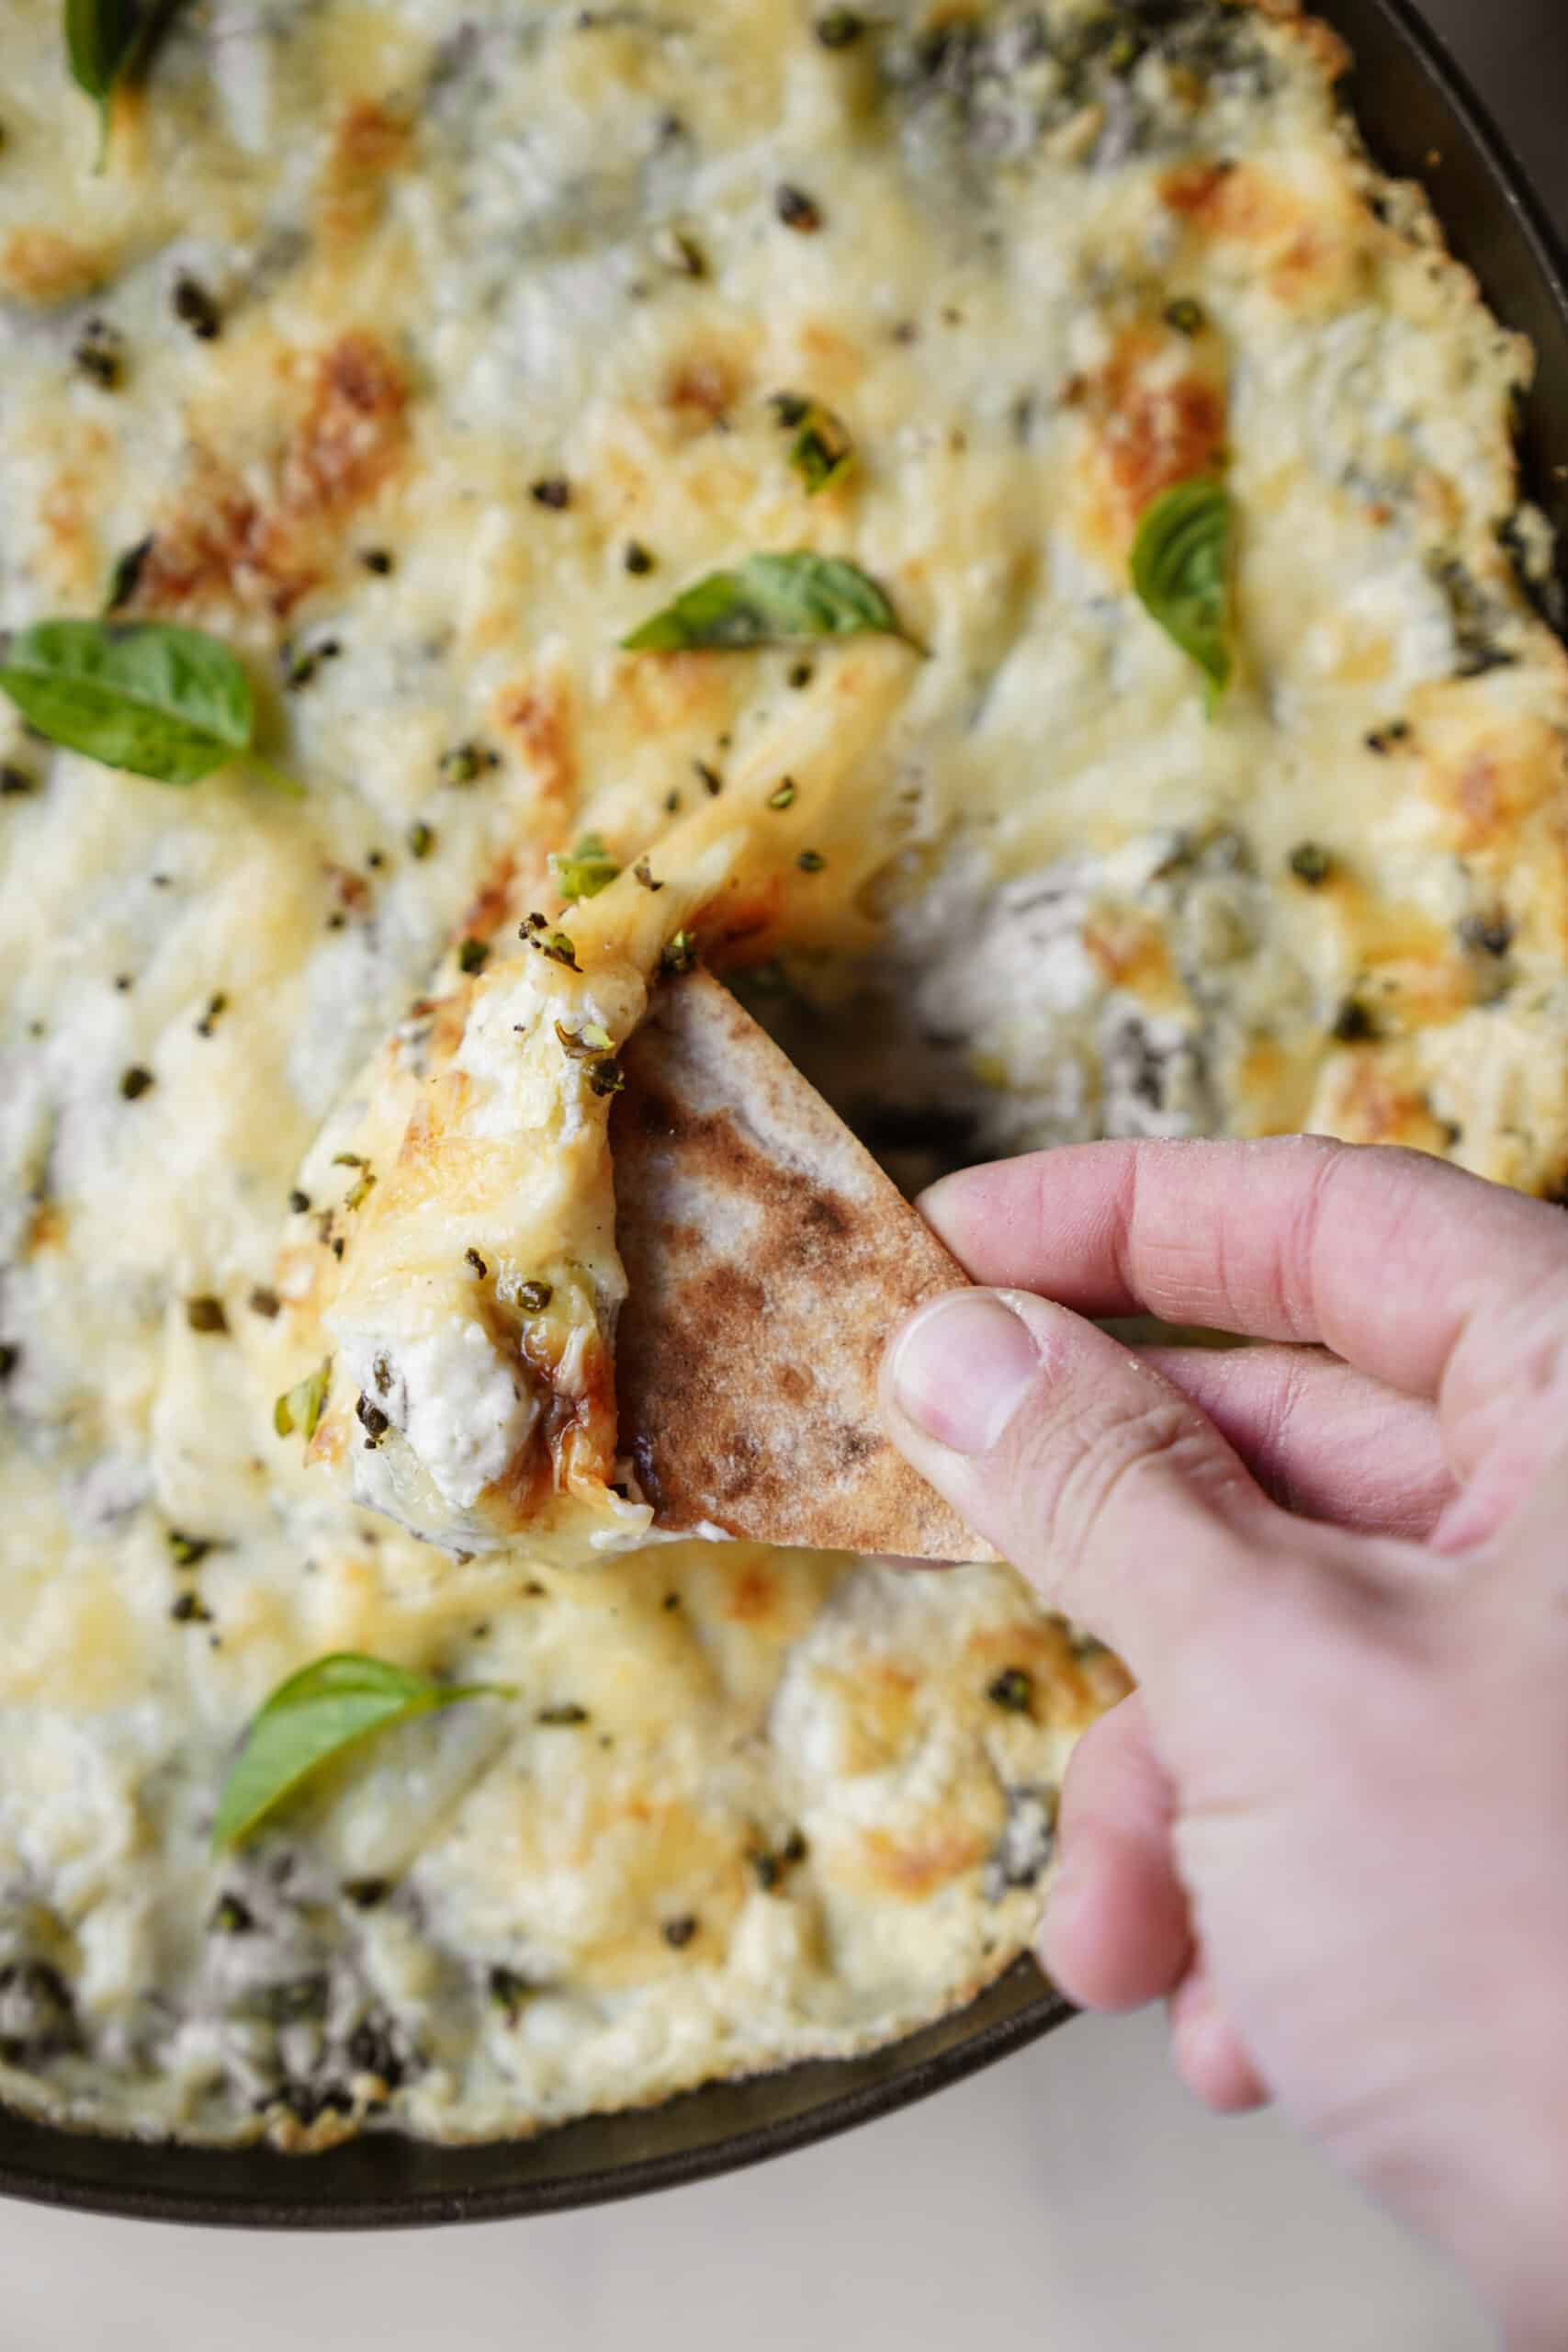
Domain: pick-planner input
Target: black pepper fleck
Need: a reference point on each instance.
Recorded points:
(534, 1297)
(376, 559)
(191, 1610)
(554, 491)
(678, 1933)
(1353, 1024)
(796, 210)
(298, 1202)
(135, 1082)
(195, 308)
(1487, 934)
(99, 355)
(1012, 1690)
(811, 861)
(371, 1420)
(472, 1258)
(508, 1991)
(1383, 740)
(473, 956)
(637, 558)
(206, 1314)
(262, 1301)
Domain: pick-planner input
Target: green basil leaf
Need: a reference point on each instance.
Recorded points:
(586, 871)
(1181, 570)
(163, 701)
(316, 1714)
(769, 600)
(100, 41)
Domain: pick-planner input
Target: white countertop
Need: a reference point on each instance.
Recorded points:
(1072, 2199)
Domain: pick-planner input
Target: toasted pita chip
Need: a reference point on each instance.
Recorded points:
(769, 1257)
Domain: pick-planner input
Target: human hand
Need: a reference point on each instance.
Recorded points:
(1332, 1825)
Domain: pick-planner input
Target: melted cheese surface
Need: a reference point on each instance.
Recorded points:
(502, 298)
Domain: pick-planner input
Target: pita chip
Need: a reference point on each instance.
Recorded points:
(769, 1257)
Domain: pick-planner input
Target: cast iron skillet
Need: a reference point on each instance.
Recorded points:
(1422, 121)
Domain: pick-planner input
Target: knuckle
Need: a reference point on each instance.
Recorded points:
(1115, 1454)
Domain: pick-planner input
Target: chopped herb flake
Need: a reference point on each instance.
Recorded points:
(300, 1407)
(585, 871)
(1311, 864)
(126, 574)
(1186, 316)
(466, 763)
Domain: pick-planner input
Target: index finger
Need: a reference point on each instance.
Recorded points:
(1392, 1260)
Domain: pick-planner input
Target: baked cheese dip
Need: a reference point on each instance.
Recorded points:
(998, 528)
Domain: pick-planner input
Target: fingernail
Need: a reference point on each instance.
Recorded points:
(962, 1370)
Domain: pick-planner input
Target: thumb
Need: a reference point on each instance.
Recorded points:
(1081, 1464)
